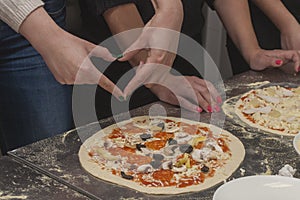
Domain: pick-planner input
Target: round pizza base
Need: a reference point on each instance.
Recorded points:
(240, 114)
(235, 145)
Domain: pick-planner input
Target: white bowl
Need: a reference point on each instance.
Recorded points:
(259, 188)
(296, 143)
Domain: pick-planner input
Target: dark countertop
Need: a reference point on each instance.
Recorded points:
(20, 182)
(265, 153)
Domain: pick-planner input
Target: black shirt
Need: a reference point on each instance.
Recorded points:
(193, 17)
(102, 5)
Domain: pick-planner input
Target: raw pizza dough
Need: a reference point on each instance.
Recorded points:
(91, 165)
(274, 109)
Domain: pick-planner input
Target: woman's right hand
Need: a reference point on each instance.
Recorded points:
(160, 36)
(67, 56)
(70, 63)
(189, 92)
(262, 59)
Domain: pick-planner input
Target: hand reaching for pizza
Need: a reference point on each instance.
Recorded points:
(189, 92)
(290, 40)
(261, 59)
(205, 98)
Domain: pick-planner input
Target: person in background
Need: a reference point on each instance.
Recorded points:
(116, 16)
(276, 25)
(123, 15)
(39, 61)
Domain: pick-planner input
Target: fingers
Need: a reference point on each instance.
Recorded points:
(197, 91)
(184, 103)
(292, 56)
(89, 74)
(206, 102)
(288, 68)
(275, 62)
(296, 60)
(272, 62)
(103, 52)
(203, 103)
(109, 86)
(208, 97)
(281, 57)
(210, 93)
(129, 55)
(135, 48)
(135, 82)
(166, 95)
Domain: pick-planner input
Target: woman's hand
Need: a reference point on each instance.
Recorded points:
(70, 63)
(66, 56)
(160, 35)
(290, 40)
(262, 59)
(189, 92)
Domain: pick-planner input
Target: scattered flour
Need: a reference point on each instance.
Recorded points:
(287, 171)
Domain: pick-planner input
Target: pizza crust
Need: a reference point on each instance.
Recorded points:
(236, 148)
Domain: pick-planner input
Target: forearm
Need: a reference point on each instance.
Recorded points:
(277, 13)
(171, 12)
(167, 5)
(123, 18)
(14, 12)
(40, 30)
(235, 16)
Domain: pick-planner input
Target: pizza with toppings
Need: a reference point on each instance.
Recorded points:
(275, 109)
(162, 155)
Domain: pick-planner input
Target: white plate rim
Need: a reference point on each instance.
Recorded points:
(254, 177)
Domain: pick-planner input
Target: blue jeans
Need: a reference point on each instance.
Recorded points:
(33, 105)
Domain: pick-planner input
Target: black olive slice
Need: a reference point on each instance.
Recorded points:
(125, 176)
(186, 148)
(139, 146)
(205, 169)
(145, 136)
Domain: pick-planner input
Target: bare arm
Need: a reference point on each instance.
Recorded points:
(284, 21)
(277, 13)
(123, 18)
(236, 18)
(167, 5)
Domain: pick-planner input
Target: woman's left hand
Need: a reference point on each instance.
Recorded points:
(160, 35)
